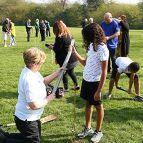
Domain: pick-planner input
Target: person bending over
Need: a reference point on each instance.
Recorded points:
(130, 68)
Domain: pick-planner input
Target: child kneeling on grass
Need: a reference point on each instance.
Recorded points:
(94, 76)
(32, 99)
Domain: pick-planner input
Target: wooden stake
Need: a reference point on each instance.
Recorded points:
(43, 120)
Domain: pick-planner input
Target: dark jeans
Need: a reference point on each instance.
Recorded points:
(112, 56)
(71, 73)
(48, 33)
(37, 31)
(28, 35)
(43, 35)
(30, 132)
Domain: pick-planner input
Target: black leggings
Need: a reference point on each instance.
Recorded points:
(30, 132)
(71, 73)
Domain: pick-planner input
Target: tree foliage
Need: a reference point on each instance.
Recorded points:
(72, 14)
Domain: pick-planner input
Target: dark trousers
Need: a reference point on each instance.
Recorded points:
(43, 35)
(71, 73)
(48, 33)
(112, 57)
(37, 31)
(28, 35)
(30, 132)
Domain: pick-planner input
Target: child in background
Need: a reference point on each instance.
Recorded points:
(12, 34)
(94, 76)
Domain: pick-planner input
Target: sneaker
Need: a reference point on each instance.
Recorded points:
(107, 95)
(86, 132)
(138, 98)
(96, 137)
(76, 88)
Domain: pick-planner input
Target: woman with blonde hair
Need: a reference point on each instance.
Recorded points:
(63, 39)
(32, 99)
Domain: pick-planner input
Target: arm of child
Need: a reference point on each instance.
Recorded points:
(79, 57)
(104, 65)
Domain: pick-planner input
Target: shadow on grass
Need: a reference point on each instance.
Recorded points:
(79, 74)
(8, 95)
(123, 115)
(122, 99)
(76, 100)
(57, 138)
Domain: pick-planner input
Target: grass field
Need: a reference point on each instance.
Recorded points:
(123, 122)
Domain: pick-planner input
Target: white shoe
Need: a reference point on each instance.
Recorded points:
(86, 132)
(96, 137)
(107, 95)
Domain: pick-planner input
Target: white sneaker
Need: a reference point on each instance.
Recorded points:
(96, 137)
(107, 95)
(86, 132)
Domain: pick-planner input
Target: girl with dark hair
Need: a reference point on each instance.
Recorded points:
(94, 76)
(61, 47)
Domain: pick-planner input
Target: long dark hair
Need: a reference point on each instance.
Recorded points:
(93, 33)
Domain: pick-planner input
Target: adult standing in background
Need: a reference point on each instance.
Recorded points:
(84, 22)
(43, 30)
(37, 28)
(5, 30)
(48, 33)
(112, 31)
(125, 39)
(90, 20)
(28, 29)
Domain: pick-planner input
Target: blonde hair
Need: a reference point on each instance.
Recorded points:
(33, 56)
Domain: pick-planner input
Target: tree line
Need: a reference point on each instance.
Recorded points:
(72, 14)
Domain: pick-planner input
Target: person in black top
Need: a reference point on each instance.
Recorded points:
(61, 46)
(28, 28)
(43, 30)
(5, 30)
(124, 39)
(84, 22)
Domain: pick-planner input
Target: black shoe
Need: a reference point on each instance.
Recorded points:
(2, 136)
(138, 98)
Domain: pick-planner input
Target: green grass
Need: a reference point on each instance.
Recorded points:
(123, 122)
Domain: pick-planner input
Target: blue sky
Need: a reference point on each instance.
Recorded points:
(119, 1)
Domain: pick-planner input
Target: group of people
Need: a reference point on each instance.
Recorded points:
(8, 29)
(85, 22)
(43, 26)
(100, 43)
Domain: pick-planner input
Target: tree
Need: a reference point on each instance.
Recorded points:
(94, 4)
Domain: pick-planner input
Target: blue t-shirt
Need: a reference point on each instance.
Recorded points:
(111, 29)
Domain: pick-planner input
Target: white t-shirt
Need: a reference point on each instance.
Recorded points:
(31, 88)
(92, 70)
(123, 63)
